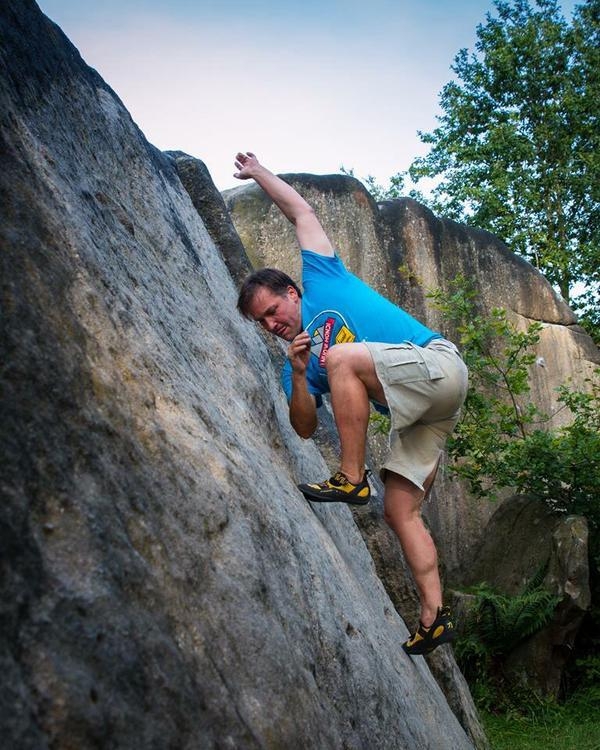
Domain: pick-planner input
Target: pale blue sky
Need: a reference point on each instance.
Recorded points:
(307, 86)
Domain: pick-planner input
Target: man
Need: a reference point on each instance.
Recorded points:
(347, 340)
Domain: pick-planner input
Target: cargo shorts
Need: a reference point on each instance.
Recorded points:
(425, 388)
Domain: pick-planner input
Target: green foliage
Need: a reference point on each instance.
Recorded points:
(587, 305)
(588, 677)
(497, 412)
(559, 466)
(497, 623)
(500, 441)
(501, 622)
(546, 724)
(517, 144)
(380, 423)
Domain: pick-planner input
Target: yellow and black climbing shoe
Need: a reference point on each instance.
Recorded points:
(338, 490)
(425, 639)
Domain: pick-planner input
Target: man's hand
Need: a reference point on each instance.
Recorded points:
(247, 165)
(299, 353)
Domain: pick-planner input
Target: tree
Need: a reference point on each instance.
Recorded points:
(517, 147)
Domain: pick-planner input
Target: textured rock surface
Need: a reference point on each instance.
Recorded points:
(211, 207)
(164, 585)
(537, 538)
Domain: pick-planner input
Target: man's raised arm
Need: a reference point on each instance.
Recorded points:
(309, 232)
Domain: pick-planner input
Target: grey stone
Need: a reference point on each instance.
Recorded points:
(164, 584)
(209, 203)
(532, 537)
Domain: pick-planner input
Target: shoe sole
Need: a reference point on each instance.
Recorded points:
(321, 499)
(423, 649)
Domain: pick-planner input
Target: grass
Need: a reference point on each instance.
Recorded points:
(572, 726)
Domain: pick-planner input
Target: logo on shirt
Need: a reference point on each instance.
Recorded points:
(326, 329)
(344, 336)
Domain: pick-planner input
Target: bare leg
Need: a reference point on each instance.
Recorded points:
(402, 504)
(352, 380)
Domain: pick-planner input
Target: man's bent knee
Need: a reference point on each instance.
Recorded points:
(355, 359)
(336, 356)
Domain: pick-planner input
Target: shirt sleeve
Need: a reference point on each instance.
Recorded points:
(317, 268)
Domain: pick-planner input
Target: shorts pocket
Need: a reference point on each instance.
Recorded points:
(409, 364)
(435, 371)
(408, 372)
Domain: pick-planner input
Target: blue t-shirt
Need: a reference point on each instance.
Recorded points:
(337, 307)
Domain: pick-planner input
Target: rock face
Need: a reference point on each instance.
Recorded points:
(164, 585)
(538, 540)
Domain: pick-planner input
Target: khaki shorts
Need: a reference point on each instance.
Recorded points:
(425, 388)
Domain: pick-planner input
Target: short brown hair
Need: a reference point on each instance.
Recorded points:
(270, 278)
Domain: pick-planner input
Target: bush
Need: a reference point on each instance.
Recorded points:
(501, 441)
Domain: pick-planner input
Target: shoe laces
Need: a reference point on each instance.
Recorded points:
(339, 479)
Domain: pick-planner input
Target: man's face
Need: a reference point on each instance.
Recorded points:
(279, 314)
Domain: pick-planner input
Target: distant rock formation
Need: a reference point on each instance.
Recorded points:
(164, 584)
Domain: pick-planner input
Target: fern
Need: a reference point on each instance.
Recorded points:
(504, 621)
(498, 623)
(538, 578)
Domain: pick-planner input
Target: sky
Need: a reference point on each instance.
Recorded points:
(307, 86)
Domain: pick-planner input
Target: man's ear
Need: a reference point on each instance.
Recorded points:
(292, 292)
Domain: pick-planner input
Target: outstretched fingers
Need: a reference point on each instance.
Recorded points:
(244, 162)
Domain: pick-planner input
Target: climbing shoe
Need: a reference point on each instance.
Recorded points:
(338, 490)
(425, 639)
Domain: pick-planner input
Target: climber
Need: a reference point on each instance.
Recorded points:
(347, 340)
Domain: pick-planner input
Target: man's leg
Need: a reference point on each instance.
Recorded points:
(402, 511)
(352, 381)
